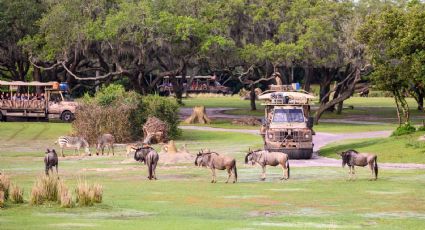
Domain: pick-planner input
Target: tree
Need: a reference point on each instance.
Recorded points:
(17, 19)
(394, 39)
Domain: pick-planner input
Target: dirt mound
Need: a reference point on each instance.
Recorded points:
(166, 159)
(251, 121)
(171, 155)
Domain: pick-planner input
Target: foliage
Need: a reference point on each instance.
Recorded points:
(394, 37)
(162, 108)
(403, 130)
(122, 114)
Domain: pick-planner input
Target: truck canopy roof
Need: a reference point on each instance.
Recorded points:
(268, 96)
(32, 83)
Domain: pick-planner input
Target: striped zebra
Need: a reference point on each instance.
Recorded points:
(73, 142)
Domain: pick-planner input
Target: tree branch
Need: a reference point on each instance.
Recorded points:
(91, 78)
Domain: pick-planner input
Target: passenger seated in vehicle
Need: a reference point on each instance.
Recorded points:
(40, 97)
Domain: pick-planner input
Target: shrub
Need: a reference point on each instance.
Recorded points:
(122, 114)
(404, 129)
(16, 194)
(166, 109)
(4, 185)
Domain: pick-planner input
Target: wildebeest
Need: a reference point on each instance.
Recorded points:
(264, 158)
(107, 140)
(353, 158)
(215, 161)
(51, 160)
(73, 142)
(149, 156)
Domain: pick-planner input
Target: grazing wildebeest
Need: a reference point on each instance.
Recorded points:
(105, 140)
(73, 142)
(264, 158)
(149, 156)
(353, 158)
(215, 161)
(51, 160)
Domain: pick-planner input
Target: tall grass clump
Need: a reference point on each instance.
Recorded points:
(84, 196)
(45, 189)
(87, 194)
(64, 196)
(97, 193)
(16, 194)
(4, 186)
(2, 200)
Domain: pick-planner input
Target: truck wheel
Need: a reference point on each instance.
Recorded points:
(67, 116)
(2, 117)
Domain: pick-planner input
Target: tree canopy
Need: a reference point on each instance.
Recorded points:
(137, 43)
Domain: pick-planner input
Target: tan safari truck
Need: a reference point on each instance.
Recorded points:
(52, 104)
(287, 126)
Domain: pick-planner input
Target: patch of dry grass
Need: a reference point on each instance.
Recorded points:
(87, 194)
(45, 189)
(2, 200)
(4, 185)
(16, 194)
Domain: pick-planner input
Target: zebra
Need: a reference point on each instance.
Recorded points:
(73, 142)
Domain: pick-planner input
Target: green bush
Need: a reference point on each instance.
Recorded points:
(166, 109)
(404, 129)
(122, 114)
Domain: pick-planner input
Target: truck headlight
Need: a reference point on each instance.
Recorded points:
(270, 135)
(307, 136)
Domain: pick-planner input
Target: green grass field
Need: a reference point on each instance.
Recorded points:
(183, 198)
(380, 108)
(406, 149)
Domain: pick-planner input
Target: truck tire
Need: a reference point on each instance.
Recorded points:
(2, 117)
(294, 154)
(67, 116)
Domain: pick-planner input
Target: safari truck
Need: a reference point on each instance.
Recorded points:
(287, 126)
(195, 85)
(52, 103)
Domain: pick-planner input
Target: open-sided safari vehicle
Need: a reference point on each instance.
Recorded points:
(18, 99)
(287, 126)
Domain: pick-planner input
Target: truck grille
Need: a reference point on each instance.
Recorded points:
(290, 135)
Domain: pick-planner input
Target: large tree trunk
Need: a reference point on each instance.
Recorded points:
(347, 90)
(252, 97)
(307, 78)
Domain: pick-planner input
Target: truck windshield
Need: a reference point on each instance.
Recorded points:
(288, 115)
(67, 96)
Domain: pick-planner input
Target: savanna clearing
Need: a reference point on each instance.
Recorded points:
(182, 198)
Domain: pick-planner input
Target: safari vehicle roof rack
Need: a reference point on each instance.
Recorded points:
(285, 97)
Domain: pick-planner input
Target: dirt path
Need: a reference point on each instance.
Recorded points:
(320, 140)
